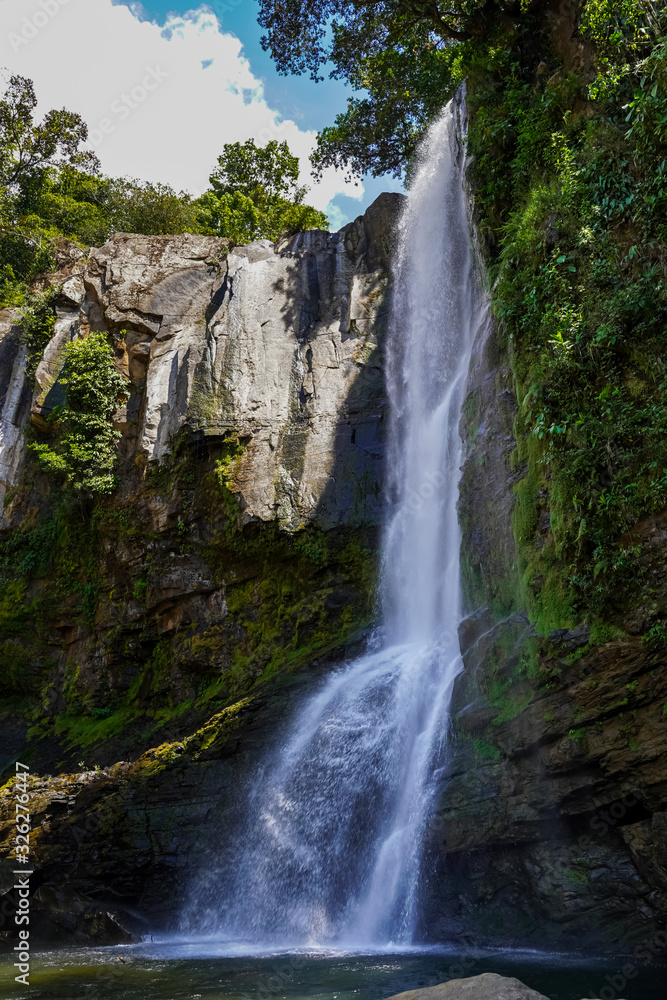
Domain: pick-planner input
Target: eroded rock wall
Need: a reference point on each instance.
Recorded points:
(242, 537)
(280, 347)
(551, 824)
(235, 560)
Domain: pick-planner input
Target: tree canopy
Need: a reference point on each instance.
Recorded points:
(52, 187)
(255, 194)
(27, 146)
(404, 56)
(303, 35)
(244, 167)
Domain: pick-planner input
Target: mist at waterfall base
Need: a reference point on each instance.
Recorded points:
(329, 849)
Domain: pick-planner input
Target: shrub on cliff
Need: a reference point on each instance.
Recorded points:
(84, 449)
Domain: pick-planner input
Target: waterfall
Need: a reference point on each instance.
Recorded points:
(331, 849)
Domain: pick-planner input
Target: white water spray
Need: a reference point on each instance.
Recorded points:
(331, 849)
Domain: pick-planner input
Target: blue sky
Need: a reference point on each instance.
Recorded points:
(312, 105)
(163, 85)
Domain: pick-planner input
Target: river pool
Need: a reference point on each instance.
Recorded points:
(199, 971)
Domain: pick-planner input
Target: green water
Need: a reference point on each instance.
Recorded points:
(190, 972)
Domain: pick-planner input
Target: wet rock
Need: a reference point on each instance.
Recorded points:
(550, 814)
(488, 986)
(569, 640)
(14, 402)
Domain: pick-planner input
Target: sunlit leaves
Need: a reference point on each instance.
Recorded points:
(83, 452)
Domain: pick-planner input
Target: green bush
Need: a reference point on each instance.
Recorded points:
(84, 450)
(36, 321)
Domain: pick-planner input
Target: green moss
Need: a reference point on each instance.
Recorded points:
(206, 742)
(486, 751)
(602, 632)
(86, 730)
(509, 707)
(577, 876)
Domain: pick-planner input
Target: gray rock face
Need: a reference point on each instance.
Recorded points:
(14, 402)
(488, 986)
(488, 553)
(279, 348)
(292, 361)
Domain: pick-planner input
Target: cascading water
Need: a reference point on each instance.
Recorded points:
(331, 848)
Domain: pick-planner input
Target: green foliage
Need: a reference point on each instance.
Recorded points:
(406, 59)
(12, 291)
(28, 151)
(36, 322)
(89, 208)
(245, 167)
(141, 207)
(84, 453)
(486, 751)
(303, 35)
(657, 636)
(255, 195)
(571, 209)
(25, 250)
(26, 146)
(405, 86)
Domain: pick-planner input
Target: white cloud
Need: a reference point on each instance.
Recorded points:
(159, 101)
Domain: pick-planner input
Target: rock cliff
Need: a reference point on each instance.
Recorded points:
(278, 348)
(551, 824)
(237, 554)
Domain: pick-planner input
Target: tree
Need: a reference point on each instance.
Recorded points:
(401, 53)
(256, 194)
(302, 35)
(232, 214)
(405, 87)
(246, 167)
(141, 207)
(85, 449)
(29, 153)
(26, 147)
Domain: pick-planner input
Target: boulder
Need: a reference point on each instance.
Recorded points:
(488, 986)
